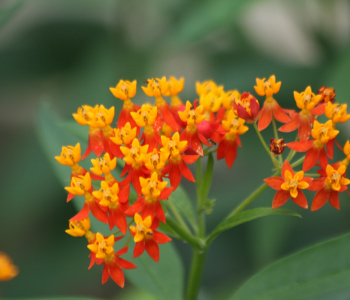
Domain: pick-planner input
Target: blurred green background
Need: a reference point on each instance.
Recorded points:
(69, 52)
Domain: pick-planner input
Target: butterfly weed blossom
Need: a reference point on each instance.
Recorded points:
(141, 159)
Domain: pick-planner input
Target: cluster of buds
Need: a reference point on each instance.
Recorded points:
(158, 142)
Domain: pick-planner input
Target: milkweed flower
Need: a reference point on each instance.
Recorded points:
(146, 117)
(336, 113)
(177, 167)
(327, 94)
(104, 166)
(156, 88)
(134, 158)
(289, 185)
(7, 269)
(81, 186)
(175, 87)
(153, 190)
(208, 86)
(270, 107)
(122, 136)
(232, 128)
(146, 237)
(277, 146)
(86, 116)
(79, 228)
(112, 263)
(193, 117)
(323, 134)
(116, 200)
(155, 161)
(328, 188)
(307, 102)
(125, 90)
(247, 107)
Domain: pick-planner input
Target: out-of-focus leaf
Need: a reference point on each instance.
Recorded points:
(206, 18)
(72, 127)
(318, 270)
(7, 11)
(247, 216)
(150, 276)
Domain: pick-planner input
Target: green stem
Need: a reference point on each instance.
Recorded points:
(251, 197)
(196, 273)
(262, 139)
(128, 241)
(185, 235)
(280, 157)
(311, 175)
(206, 153)
(298, 162)
(177, 215)
(118, 231)
(292, 152)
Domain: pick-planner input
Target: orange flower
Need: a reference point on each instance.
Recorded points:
(146, 237)
(7, 269)
(289, 185)
(267, 88)
(307, 102)
(247, 107)
(328, 188)
(327, 94)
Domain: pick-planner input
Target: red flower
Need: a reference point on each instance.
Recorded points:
(289, 185)
(247, 107)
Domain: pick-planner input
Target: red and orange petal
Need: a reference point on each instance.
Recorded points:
(125, 117)
(194, 139)
(168, 115)
(95, 142)
(228, 149)
(95, 209)
(269, 109)
(152, 139)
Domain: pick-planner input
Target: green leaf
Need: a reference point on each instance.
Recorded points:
(56, 298)
(207, 178)
(206, 18)
(164, 279)
(323, 269)
(247, 216)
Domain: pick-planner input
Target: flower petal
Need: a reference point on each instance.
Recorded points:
(280, 198)
(274, 182)
(300, 200)
(320, 199)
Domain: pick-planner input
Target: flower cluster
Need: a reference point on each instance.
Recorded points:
(155, 144)
(7, 269)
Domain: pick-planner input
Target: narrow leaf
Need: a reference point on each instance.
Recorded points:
(247, 216)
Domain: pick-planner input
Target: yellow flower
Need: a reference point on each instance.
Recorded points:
(107, 194)
(157, 87)
(346, 149)
(7, 269)
(152, 187)
(155, 161)
(85, 114)
(124, 135)
(335, 113)
(267, 88)
(208, 86)
(146, 115)
(79, 228)
(102, 247)
(70, 155)
(166, 129)
(135, 155)
(175, 86)
(234, 125)
(102, 117)
(323, 132)
(190, 115)
(142, 229)
(173, 146)
(79, 185)
(103, 165)
(124, 90)
(229, 98)
(211, 102)
(334, 177)
(294, 183)
(307, 99)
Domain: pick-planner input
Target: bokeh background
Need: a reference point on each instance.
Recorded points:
(69, 52)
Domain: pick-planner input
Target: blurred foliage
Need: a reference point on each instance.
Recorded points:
(72, 51)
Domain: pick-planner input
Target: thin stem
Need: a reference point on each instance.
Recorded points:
(298, 162)
(206, 153)
(177, 215)
(185, 235)
(128, 241)
(311, 175)
(196, 273)
(251, 197)
(262, 139)
(280, 157)
(292, 152)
